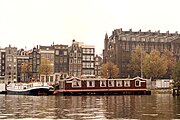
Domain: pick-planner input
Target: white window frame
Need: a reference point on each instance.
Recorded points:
(119, 82)
(127, 83)
(139, 83)
(101, 81)
(76, 83)
(88, 83)
(112, 83)
(57, 52)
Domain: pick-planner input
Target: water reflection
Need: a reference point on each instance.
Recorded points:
(159, 106)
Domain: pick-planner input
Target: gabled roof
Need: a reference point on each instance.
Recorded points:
(73, 78)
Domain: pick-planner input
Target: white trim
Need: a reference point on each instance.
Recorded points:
(76, 83)
(139, 83)
(102, 83)
(127, 83)
(88, 83)
(119, 83)
(110, 83)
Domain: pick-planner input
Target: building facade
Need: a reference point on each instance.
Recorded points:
(34, 60)
(98, 62)
(75, 59)
(11, 64)
(47, 52)
(61, 61)
(22, 58)
(88, 53)
(118, 47)
(2, 64)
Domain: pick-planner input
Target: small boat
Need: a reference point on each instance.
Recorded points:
(34, 88)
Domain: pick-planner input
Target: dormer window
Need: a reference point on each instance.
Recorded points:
(137, 83)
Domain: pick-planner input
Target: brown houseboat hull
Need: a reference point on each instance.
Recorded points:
(103, 92)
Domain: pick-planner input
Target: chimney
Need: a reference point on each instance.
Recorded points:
(176, 32)
(130, 30)
(167, 33)
(120, 29)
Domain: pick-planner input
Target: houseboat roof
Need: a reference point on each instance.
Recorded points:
(77, 78)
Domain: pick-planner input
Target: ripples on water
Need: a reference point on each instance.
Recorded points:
(145, 107)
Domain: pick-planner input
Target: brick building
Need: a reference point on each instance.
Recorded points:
(118, 47)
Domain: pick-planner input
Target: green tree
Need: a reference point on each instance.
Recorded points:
(135, 64)
(109, 70)
(45, 67)
(176, 74)
(154, 65)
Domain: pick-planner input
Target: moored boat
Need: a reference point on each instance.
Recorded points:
(34, 88)
(97, 86)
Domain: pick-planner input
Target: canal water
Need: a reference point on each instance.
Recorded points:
(144, 107)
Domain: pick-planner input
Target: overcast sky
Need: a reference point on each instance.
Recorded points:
(42, 22)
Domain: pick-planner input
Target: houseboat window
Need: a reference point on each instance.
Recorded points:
(111, 83)
(118, 83)
(90, 83)
(76, 84)
(138, 84)
(126, 83)
(102, 83)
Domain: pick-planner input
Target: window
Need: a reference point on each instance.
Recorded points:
(137, 83)
(37, 61)
(123, 38)
(51, 78)
(118, 83)
(102, 83)
(133, 39)
(92, 65)
(126, 83)
(90, 83)
(61, 60)
(65, 60)
(79, 61)
(152, 39)
(79, 54)
(71, 61)
(57, 52)
(65, 52)
(92, 51)
(92, 58)
(111, 83)
(84, 57)
(143, 39)
(76, 83)
(38, 55)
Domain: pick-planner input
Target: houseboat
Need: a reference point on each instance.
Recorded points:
(34, 88)
(98, 86)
